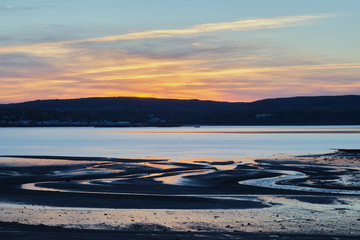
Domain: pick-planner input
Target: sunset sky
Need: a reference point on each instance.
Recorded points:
(225, 50)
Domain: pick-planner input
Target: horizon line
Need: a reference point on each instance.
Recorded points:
(184, 99)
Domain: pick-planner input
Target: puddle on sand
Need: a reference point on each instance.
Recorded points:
(272, 182)
(180, 178)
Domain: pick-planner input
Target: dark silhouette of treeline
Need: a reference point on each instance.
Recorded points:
(131, 111)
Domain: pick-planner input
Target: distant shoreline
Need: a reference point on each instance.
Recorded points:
(133, 112)
(174, 125)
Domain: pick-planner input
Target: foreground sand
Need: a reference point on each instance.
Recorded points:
(298, 198)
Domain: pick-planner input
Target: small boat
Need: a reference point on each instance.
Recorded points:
(196, 126)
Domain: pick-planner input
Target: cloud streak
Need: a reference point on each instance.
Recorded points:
(241, 25)
(198, 72)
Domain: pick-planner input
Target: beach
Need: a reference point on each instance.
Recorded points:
(291, 198)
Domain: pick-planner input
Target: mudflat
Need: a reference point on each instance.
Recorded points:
(44, 197)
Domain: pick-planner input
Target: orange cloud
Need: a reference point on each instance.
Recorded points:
(178, 78)
(199, 72)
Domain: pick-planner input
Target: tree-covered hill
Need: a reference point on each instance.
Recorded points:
(131, 111)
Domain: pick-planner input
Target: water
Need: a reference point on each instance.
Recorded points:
(178, 143)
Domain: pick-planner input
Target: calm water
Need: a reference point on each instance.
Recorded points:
(178, 143)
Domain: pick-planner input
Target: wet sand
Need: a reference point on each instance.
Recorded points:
(293, 198)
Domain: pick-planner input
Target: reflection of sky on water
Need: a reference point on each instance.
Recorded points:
(179, 179)
(134, 143)
(272, 182)
(180, 173)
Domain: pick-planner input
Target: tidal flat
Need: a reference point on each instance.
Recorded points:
(97, 197)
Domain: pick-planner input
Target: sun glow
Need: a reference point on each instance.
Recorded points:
(199, 67)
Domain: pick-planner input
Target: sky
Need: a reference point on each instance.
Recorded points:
(223, 50)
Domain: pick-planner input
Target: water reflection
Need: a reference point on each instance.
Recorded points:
(191, 177)
(177, 143)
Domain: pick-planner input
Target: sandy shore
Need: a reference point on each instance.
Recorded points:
(297, 198)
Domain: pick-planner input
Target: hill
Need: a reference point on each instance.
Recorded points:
(131, 111)
(121, 104)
